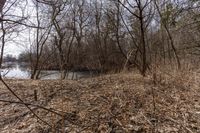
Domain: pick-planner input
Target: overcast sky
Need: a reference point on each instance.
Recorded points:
(19, 41)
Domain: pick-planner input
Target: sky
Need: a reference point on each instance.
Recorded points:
(19, 41)
(13, 49)
(26, 37)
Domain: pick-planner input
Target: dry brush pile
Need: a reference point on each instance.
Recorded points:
(117, 103)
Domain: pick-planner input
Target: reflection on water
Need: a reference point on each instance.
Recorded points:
(20, 71)
(16, 72)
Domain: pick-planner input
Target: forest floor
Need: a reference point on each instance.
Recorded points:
(114, 103)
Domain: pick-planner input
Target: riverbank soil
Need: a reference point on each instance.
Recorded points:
(116, 103)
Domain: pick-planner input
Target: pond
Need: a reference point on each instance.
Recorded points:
(20, 71)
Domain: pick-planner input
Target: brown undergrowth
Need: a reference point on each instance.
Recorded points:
(164, 101)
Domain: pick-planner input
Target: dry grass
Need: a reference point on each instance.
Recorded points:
(165, 101)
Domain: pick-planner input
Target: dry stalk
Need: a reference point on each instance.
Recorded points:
(63, 117)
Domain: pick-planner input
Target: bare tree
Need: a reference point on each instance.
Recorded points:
(40, 40)
(165, 24)
(64, 34)
(142, 11)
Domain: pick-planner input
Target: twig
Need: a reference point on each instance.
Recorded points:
(171, 119)
(29, 104)
(20, 23)
(6, 85)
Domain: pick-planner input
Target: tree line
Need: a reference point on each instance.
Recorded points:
(106, 35)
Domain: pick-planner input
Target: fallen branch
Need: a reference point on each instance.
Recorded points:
(6, 85)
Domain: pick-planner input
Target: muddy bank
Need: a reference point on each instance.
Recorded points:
(118, 103)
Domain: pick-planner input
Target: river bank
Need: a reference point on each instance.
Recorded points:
(121, 103)
(21, 71)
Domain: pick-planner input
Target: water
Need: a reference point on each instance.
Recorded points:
(20, 71)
